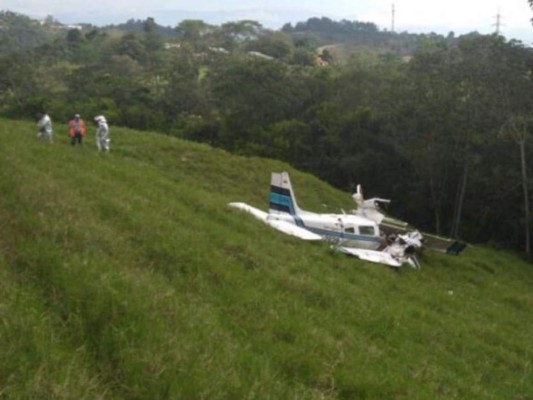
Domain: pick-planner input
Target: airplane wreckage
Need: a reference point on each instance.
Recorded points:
(365, 233)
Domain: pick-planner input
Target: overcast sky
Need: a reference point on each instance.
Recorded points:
(415, 16)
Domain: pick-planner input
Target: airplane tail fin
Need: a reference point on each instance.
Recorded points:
(281, 198)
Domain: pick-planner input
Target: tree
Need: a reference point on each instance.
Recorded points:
(424, 130)
(252, 92)
(519, 128)
(240, 31)
(20, 93)
(274, 44)
(149, 25)
(450, 110)
(193, 30)
(184, 99)
(74, 36)
(131, 45)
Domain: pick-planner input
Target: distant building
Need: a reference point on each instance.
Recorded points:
(260, 55)
(172, 46)
(69, 27)
(53, 24)
(221, 50)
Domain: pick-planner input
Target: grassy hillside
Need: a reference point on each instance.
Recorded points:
(126, 276)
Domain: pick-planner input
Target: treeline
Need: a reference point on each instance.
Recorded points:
(139, 26)
(19, 31)
(329, 26)
(323, 31)
(443, 132)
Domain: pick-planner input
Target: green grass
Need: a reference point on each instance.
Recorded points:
(126, 276)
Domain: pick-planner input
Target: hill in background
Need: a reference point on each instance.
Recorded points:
(127, 276)
(348, 37)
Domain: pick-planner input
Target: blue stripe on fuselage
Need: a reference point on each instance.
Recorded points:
(344, 235)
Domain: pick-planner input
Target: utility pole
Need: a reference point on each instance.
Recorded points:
(498, 23)
(393, 15)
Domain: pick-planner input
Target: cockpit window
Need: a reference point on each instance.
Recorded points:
(366, 230)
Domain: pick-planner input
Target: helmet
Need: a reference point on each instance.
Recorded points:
(99, 118)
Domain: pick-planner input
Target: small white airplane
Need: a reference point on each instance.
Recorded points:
(351, 234)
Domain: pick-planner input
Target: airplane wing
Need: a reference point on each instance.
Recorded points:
(445, 245)
(293, 230)
(256, 212)
(374, 256)
(433, 242)
(282, 226)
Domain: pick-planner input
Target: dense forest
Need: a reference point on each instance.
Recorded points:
(441, 125)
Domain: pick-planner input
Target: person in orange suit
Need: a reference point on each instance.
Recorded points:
(76, 130)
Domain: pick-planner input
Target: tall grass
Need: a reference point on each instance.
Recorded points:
(126, 276)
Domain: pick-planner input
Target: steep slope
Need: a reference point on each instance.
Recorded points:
(126, 276)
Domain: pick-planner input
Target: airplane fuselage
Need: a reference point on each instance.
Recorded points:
(342, 229)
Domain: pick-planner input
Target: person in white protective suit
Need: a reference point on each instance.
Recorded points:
(102, 134)
(44, 127)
